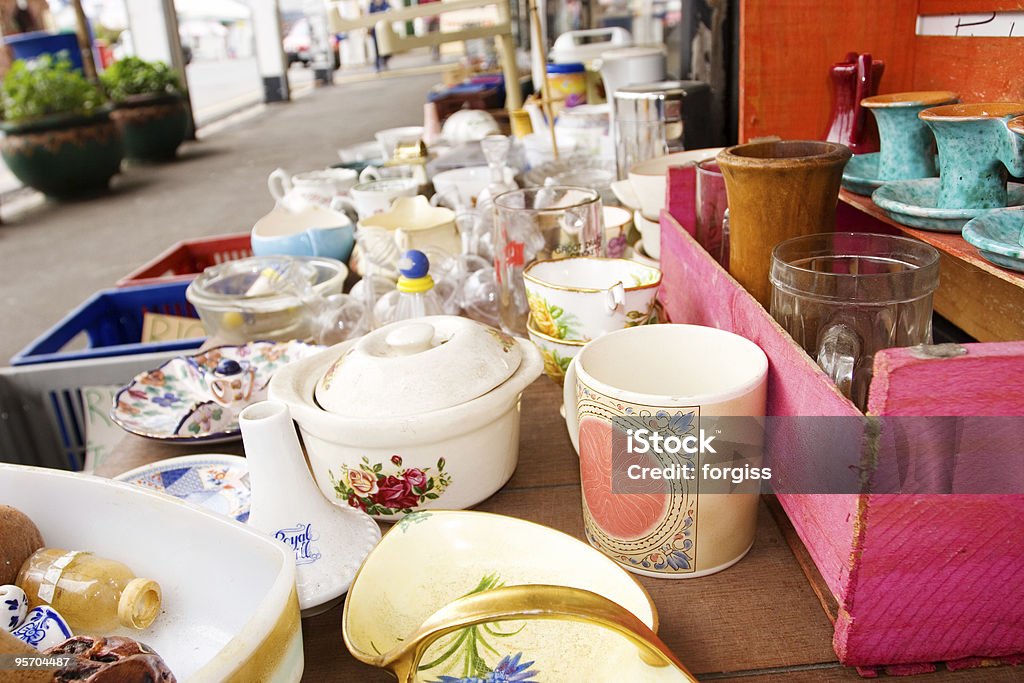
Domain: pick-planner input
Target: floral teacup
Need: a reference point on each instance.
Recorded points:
(557, 353)
(583, 297)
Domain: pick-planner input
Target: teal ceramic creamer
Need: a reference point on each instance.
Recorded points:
(976, 149)
(907, 145)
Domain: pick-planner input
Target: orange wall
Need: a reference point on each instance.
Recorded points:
(787, 47)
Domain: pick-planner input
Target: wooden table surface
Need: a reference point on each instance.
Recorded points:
(757, 621)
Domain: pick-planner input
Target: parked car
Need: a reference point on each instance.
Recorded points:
(298, 44)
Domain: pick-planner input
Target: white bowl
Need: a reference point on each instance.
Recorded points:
(465, 452)
(467, 183)
(650, 233)
(639, 254)
(230, 608)
(650, 182)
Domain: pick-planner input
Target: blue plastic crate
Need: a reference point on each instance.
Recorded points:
(112, 319)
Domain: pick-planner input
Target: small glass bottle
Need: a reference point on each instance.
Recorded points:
(416, 297)
(93, 594)
(496, 150)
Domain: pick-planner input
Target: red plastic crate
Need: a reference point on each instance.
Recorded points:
(186, 259)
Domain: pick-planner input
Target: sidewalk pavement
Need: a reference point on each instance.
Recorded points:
(56, 254)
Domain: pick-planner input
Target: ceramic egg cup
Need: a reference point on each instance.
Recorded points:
(42, 628)
(13, 607)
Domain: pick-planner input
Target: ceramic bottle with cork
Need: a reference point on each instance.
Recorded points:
(93, 594)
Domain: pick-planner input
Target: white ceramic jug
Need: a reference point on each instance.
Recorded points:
(296, 192)
(329, 541)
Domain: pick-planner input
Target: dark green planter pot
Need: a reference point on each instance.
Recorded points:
(64, 156)
(152, 127)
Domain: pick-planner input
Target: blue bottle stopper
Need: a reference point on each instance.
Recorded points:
(415, 269)
(414, 264)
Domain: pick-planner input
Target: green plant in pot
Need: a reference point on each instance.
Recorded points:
(150, 108)
(59, 138)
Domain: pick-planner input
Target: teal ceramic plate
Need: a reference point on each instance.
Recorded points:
(997, 236)
(912, 203)
(861, 174)
(217, 482)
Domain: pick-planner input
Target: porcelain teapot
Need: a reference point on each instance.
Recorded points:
(296, 192)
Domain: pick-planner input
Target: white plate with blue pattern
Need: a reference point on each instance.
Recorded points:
(215, 481)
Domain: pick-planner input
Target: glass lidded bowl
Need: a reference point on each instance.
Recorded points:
(273, 298)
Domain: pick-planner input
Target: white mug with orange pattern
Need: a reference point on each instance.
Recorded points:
(677, 381)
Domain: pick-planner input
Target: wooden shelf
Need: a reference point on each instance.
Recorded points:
(981, 298)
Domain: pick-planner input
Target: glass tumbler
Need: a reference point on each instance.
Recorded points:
(548, 222)
(843, 296)
(711, 205)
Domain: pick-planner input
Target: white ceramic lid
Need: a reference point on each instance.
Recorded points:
(417, 366)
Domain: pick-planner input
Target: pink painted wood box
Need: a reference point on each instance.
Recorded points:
(918, 579)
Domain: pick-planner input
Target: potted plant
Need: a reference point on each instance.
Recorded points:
(59, 138)
(150, 108)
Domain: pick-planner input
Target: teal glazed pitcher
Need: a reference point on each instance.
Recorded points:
(907, 146)
(976, 150)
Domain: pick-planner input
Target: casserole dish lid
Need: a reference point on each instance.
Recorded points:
(417, 366)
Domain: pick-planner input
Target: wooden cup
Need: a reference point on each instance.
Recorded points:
(777, 190)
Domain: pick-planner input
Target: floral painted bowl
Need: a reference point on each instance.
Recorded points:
(583, 297)
(217, 482)
(191, 399)
(521, 603)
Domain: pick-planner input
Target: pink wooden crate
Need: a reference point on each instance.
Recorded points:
(918, 579)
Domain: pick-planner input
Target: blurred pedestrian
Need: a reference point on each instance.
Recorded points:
(433, 26)
(381, 61)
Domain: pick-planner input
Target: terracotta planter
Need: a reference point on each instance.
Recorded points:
(777, 190)
(152, 127)
(64, 156)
